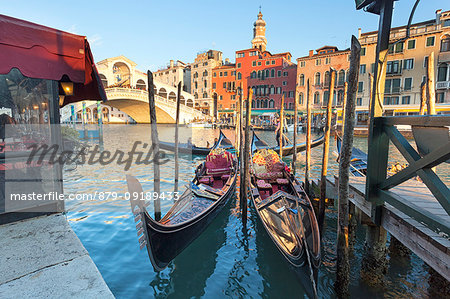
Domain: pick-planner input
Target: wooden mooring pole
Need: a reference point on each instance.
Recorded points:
(308, 138)
(177, 122)
(294, 157)
(281, 126)
(326, 151)
(423, 98)
(245, 175)
(431, 86)
(155, 145)
(342, 265)
(344, 103)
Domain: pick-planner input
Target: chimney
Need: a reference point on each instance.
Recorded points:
(438, 16)
(171, 63)
(359, 33)
(311, 53)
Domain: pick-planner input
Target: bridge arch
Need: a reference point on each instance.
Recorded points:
(190, 103)
(121, 71)
(162, 92)
(140, 84)
(172, 96)
(139, 110)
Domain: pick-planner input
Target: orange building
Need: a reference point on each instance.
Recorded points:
(223, 90)
(316, 68)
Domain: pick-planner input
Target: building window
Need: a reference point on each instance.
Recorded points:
(328, 60)
(285, 74)
(430, 41)
(440, 98)
(301, 80)
(359, 102)
(254, 63)
(405, 100)
(267, 62)
(362, 69)
(220, 74)
(363, 51)
(272, 73)
(259, 63)
(399, 47)
(327, 79)
(425, 61)
(341, 77)
(205, 95)
(220, 97)
(393, 67)
(392, 85)
(278, 90)
(239, 65)
(224, 84)
(408, 64)
(214, 86)
(411, 44)
(317, 79)
(240, 55)
(206, 83)
(318, 61)
(225, 74)
(239, 76)
(408, 84)
(360, 86)
(442, 72)
(214, 74)
(279, 73)
(273, 61)
(300, 98)
(253, 75)
(271, 103)
(302, 64)
(445, 44)
(316, 98)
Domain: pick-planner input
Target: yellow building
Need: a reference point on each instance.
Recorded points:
(407, 67)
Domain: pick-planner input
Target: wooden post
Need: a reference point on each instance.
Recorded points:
(326, 150)
(431, 85)
(241, 127)
(155, 144)
(294, 157)
(423, 97)
(370, 93)
(344, 103)
(246, 154)
(177, 122)
(281, 126)
(343, 266)
(308, 138)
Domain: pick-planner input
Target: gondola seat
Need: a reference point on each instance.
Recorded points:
(282, 181)
(207, 180)
(218, 164)
(263, 184)
(225, 177)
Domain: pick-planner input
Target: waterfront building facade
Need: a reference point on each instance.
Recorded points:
(201, 79)
(224, 90)
(174, 73)
(316, 67)
(407, 67)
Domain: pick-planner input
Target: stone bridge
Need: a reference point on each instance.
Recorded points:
(134, 102)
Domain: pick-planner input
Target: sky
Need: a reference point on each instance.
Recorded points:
(152, 32)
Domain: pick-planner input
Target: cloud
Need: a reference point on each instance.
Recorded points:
(95, 40)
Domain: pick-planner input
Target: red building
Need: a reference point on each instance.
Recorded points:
(269, 75)
(223, 89)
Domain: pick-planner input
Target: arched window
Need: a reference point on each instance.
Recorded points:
(205, 73)
(327, 78)
(340, 98)
(140, 84)
(301, 80)
(265, 103)
(442, 72)
(445, 43)
(341, 77)
(272, 89)
(316, 98)
(317, 79)
(259, 74)
(205, 95)
(267, 73)
(258, 104)
(196, 95)
(253, 75)
(272, 73)
(271, 103)
(300, 98)
(239, 76)
(195, 75)
(326, 97)
(253, 103)
(291, 106)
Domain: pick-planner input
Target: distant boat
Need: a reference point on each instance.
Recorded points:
(286, 213)
(290, 128)
(185, 148)
(358, 162)
(213, 185)
(200, 125)
(289, 149)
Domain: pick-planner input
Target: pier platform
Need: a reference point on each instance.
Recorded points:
(43, 258)
(431, 247)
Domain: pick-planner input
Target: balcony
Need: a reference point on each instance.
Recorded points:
(443, 85)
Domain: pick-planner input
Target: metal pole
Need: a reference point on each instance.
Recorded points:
(84, 121)
(155, 145)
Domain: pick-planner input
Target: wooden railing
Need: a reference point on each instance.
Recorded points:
(378, 185)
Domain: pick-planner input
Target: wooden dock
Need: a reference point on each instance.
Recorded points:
(431, 247)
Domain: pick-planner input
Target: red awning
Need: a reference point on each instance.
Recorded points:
(46, 53)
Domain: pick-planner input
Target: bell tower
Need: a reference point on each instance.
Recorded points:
(259, 40)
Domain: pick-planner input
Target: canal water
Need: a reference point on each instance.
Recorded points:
(226, 260)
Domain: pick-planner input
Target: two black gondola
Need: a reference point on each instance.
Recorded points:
(213, 185)
(358, 160)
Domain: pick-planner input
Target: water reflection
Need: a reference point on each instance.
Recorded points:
(226, 260)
